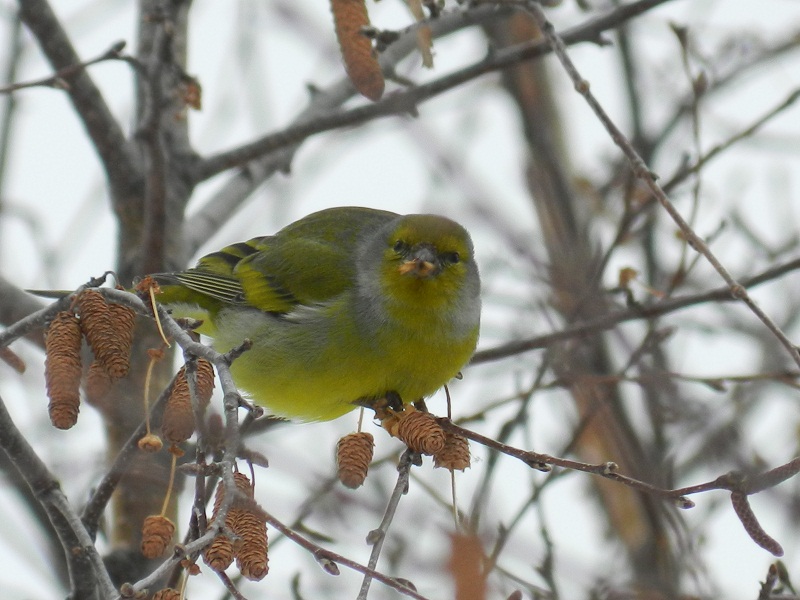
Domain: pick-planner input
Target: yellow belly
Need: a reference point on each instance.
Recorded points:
(316, 369)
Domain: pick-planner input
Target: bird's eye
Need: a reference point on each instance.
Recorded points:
(451, 257)
(400, 247)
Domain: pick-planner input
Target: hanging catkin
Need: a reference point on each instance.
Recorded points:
(219, 554)
(349, 16)
(454, 455)
(62, 369)
(249, 524)
(108, 329)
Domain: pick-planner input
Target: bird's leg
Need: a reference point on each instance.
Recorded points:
(394, 401)
(382, 405)
(420, 405)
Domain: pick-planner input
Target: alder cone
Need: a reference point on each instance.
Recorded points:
(178, 423)
(124, 321)
(353, 456)
(420, 431)
(157, 532)
(219, 554)
(454, 455)
(97, 385)
(251, 552)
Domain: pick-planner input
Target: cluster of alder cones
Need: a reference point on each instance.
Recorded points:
(108, 329)
(417, 429)
(244, 520)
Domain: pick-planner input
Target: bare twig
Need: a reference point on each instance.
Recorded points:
(636, 312)
(8, 110)
(58, 80)
(734, 72)
(328, 558)
(769, 584)
(733, 482)
(693, 168)
(230, 586)
(17, 305)
(377, 536)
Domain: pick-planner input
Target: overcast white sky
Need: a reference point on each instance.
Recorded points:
(254, 60)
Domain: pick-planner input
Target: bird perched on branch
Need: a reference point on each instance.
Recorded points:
(344, 307)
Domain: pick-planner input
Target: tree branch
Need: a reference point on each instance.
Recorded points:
(643, 172)
(406, 102)
(88, 574)
(722, 294)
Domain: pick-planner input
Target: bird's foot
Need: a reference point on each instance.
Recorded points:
(385, 405)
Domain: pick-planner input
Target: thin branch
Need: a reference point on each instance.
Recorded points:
(693, 168)
(16, 306)
(611, 320)
(769, 584)
(58, 80)
(732, 482)
(8, 109)
(733, 73)
(376, 537)
(684, 171)
(717, 383)
(230, 586)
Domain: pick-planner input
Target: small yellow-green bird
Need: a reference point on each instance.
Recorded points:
(343, 307)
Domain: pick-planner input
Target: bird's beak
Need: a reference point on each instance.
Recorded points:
(423, 264)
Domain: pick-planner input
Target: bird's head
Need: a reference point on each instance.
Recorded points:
(423, 262)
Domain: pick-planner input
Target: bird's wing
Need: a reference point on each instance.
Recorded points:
(211, 283)
(308, 262)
